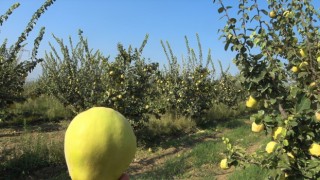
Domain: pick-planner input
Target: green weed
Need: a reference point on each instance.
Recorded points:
(251, 172)
(34, 152)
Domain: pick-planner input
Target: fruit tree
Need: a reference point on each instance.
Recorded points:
(276, 47)
(13, 71)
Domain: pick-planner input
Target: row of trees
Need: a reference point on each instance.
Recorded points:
(80, 78)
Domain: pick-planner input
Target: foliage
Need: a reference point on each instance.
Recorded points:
(33, 153)
(168, 126)
(82, 78)
(188, 89)
(12, 72)
(268, 43)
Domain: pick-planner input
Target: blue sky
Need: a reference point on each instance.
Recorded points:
(108, 22)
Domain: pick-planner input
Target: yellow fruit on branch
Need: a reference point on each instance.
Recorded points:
(312, 85)
(317, 116)
(99, 144)
(271, 146)
(318, 59)
(294, 69)
(314, 149)
(272, 14)
(277, 132)
(257, 127)
(251, 102)
(302, 53)
(224, 164)
(303, 65)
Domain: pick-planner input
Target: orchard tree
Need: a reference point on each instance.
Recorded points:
(277, 53)
(81, 78)
(187, 89)
(13, 72)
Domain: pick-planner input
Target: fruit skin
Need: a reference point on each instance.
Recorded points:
(272, 14)
(251, 102)
(257, 127)
(314, 149)
(313, 84)
(303, 65)
(302, 53)
(224, 164)
(317, 115)
(294, 69)
(271, 146)
(318, 59)
(99, 144)
(277, 132)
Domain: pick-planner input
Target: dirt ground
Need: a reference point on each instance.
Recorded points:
(145, 161)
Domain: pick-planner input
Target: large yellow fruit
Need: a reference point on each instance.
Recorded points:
(272, 14)
(313, 84)
(99, 144)
(303, 53)
(251, 102)
(224, 164)
(294, 69)
(314, 149)
(271, 146)
(257, 127)
(317, 115)
(277, 132)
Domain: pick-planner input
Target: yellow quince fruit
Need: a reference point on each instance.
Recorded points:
(257, 127)
(294, 69)
(271, 146)
(224, 164)
(302, 53)
(317, 115)
(251, 102)
(277, 132)
(272, 14)
(314, 149)
(99, 144)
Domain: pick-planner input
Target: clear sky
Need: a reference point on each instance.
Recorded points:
(108, 22)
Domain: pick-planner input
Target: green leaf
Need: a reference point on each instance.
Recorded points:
(303, 104)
